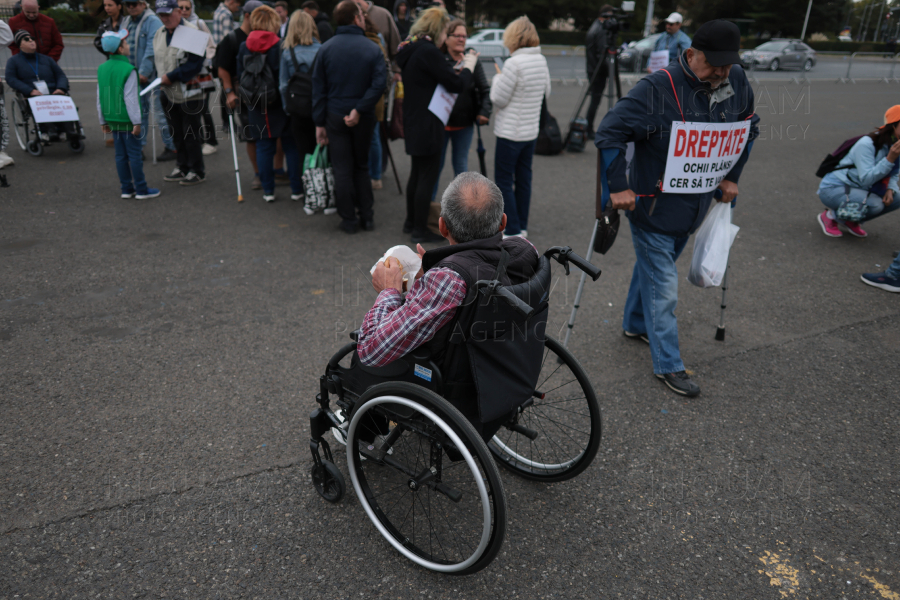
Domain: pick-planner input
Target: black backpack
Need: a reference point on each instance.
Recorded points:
(258, 85)
(832, 161)
(299, 89)
(549, 140)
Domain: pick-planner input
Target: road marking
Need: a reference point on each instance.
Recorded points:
(781, 573)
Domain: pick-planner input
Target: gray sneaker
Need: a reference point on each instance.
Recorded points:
(680, 383)
(192, 179)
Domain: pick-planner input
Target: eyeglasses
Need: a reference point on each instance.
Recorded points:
(27, 39)
(185, 8)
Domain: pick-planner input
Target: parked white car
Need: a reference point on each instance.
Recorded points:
(489, 43)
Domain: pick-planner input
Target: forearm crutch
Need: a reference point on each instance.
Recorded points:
(237, 171)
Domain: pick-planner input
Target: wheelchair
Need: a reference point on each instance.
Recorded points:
(426, 474)
(33, 136)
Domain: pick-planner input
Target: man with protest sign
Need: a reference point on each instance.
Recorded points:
(692, 125)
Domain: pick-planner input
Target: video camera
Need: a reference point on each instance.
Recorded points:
(615, 20)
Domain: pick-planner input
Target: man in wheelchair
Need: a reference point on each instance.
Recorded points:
(437, 312)
(450, 381)
(31, 73)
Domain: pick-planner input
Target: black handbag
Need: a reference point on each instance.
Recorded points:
(608, 220)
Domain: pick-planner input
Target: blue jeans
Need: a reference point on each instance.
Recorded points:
(653, 296)
(462, 140)
(159, 116)
(375, 153)
(833, 195)
(129, 164)
(512, 172)
(265, 160)
(894, 269)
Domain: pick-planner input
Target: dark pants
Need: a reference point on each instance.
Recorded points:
(423, 176)
(265, 160)
(185, 121)
(597, 91)
(209, 126)
(304, 130)
(348, 149)
(512, 172)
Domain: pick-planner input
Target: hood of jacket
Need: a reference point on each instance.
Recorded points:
(261, 41)
(397, 4)
(321, 16)
(408, 48)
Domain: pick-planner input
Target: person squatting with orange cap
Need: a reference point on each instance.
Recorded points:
(867, 174)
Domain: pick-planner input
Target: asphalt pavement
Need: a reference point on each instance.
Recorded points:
(160, 359)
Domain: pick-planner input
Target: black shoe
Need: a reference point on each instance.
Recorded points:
(349, 226)
(407, 227)
(636, 336)
(367, 224)
(426, 237)
(176, 175)
(680, 383)
(166, 155)
(193, 178)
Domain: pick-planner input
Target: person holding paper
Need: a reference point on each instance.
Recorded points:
(518, 93)
(183, 105)
(674, 40)
(430, 84)
(348, 80)
(702, 91)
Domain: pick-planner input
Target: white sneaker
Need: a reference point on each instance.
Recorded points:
(524, 234)
(208, 149)
(297, 197)
(5, 160)
(269, 197)
(329, 211)
(340, 433)
(127, 196)
(308, 210)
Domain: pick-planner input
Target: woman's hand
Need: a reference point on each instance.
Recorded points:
(482, 120)
(470, 59)
(894, 152)
(888, 198)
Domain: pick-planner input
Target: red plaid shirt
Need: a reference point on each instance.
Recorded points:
(393, 327)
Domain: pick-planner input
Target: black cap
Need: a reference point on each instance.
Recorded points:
(720, 41)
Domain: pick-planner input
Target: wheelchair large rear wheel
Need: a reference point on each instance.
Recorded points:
(426, 479)
(21, 123)
(565, 416)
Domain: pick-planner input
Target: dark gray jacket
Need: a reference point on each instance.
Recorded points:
(594, 46)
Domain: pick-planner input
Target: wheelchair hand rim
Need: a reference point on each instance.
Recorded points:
(533, 464)
(482, 490)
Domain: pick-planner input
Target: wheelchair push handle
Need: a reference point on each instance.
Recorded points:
(565, 255)
(496, 289)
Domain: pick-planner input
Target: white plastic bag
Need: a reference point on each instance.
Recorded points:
(410, 263)
(711, 246)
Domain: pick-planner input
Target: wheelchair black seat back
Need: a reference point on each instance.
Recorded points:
(425, 471)
(33, 137)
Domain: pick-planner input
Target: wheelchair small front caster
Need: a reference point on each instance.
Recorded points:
(35, 148)
(328, 481)
(77, 145)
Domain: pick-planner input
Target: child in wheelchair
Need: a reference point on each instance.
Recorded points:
(446, 381)
(30, 74)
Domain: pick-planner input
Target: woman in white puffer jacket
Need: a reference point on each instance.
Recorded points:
(517, 94)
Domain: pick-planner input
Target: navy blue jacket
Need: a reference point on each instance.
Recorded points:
(645, 117)
(191, 66)
(349, 73)
(20, 73)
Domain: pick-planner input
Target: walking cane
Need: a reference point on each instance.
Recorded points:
(481, 152)
(720, 328)
(237, 172)
(151, 108)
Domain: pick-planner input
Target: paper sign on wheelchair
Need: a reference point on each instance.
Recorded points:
(701, 155)
(190, 40)
(53, 109)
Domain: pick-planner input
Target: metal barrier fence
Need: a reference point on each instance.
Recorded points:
(882, 74)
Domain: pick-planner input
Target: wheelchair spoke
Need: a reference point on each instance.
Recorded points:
(548, 405)
(557, 387)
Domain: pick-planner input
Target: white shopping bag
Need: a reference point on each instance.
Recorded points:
(711, 247)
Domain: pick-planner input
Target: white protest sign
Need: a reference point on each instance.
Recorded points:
(442, 103)
(190, 40)
(53, 109)
(701, 155)
(659, 59)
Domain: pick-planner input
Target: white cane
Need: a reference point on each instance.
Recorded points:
(151, 107)
(237, 172)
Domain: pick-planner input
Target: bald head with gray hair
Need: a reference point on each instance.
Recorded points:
(472, 207)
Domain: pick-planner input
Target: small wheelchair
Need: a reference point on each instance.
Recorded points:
(425, 473)
(33, 136)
